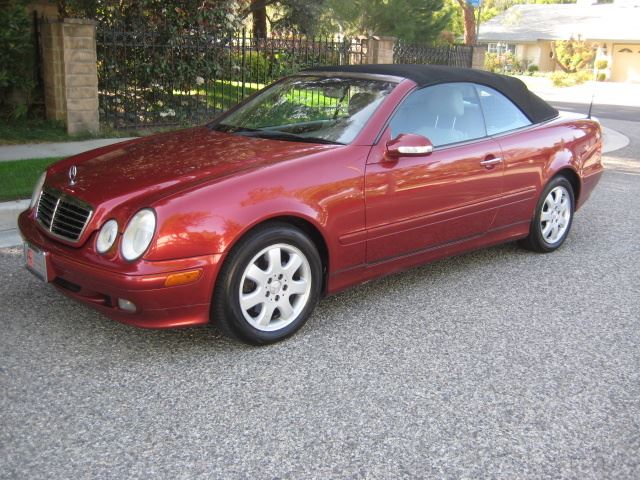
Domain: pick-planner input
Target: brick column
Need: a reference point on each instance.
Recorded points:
(70, 73)
(380, 49)
(477, 60)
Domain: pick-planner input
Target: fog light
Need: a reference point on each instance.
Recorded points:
(126, 305)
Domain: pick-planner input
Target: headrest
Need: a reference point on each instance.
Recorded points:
(446, 100)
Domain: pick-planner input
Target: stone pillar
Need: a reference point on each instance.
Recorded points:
(70, 73)
(477, 59)
(380, 49)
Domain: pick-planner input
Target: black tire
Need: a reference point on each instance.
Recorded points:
(227, 312)
(536, 240)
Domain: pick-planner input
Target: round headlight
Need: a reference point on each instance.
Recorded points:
(107, 236)
(37, 189)
(138, 234)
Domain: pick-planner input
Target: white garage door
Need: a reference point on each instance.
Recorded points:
(626, 63)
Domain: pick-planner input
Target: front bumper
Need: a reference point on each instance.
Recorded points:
(157, 306)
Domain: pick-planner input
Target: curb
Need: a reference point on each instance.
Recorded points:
(58, 149)
(613, 140)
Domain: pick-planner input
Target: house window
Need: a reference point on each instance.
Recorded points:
(501, 48)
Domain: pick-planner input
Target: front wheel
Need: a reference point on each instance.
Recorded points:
(268, 286)
(553, 218)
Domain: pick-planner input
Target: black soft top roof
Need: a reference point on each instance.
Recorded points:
(424, 75)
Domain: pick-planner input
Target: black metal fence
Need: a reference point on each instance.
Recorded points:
(453, 56)
(145, 81)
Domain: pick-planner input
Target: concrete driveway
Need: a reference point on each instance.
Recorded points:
(496, 364)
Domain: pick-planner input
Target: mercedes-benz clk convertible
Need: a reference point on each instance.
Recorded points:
(318, 182)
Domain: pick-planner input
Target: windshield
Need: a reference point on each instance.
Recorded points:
(309, 108)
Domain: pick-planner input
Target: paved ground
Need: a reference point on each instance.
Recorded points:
(45, 150)
(496, 364)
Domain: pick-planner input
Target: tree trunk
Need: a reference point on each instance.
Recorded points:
(259, 16)
(469, 17)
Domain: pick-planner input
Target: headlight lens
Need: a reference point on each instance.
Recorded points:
(107, 236)
(36, 189)
(138, 234)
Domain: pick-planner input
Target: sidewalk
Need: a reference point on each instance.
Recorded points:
(46, 150)
(9, 212)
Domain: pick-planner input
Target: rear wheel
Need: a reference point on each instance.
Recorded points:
(554, 216)
(268, 286)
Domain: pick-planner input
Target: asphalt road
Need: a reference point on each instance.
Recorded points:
(614, 112)
(496, 364)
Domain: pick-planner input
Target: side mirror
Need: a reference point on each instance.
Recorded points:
(409, 145)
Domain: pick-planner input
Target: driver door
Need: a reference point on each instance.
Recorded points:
(415, 203)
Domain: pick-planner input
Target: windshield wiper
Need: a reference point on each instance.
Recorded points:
(278, 135)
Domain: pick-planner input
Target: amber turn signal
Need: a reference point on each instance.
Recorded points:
(182, 278)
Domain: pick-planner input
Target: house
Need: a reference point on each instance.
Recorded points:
(528, 31)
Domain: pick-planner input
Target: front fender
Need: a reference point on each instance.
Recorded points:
(324, 190)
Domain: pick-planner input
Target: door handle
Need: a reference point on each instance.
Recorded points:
(491, 161)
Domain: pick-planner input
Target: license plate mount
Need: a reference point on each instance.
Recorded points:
(36, 261)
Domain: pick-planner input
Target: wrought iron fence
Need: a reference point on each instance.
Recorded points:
(145, 81)
(453, 56)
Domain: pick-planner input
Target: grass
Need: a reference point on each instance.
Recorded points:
(15, 132)
(17, 177)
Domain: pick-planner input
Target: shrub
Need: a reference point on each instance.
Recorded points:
(564, 79)
(532, 69)
(601, 64)
(491, 62)
(601, 77)
(256, 67)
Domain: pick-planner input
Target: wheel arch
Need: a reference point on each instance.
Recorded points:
(573, 178)
(308, 227)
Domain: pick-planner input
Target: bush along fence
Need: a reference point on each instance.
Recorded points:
(136, 79)
(145, 82)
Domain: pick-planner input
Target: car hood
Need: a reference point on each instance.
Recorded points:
(161, 164)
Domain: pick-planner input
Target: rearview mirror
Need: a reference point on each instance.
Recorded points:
(409, 145)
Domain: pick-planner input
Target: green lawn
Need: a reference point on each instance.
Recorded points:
(15, 132)
(17, 177)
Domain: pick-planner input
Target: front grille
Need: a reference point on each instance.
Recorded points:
(63, 216)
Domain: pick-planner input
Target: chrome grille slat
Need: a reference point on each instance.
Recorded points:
(69, 221)
(61, 215)
(45, 217)
(64, 231)
(74, 215)
(62, 224)
(46, 209)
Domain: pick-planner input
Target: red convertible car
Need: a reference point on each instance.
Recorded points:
(318, 182)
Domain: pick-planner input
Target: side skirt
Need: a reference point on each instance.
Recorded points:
(344, 279)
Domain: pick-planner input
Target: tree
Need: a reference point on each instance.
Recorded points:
(464, 17)
(573, 54)
(469, 20)
(300, 16)
(411, 20)
(258, 9)
(170, 17)
(17, 56)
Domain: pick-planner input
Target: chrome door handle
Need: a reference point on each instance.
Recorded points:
(491, 161)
